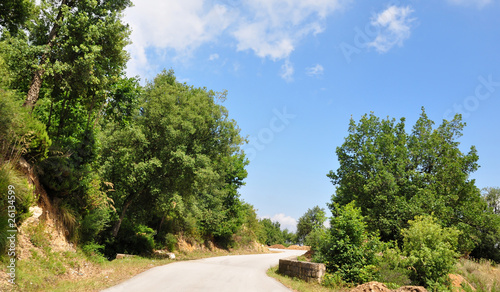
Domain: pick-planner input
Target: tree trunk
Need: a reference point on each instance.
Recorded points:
(161, 223)
(127, 204)
(36, 82)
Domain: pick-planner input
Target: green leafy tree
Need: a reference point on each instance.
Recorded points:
(347, 248)
(394, 175)
(271, 232)
(14, 14)
(66, 61)
(289, 237)
(315, 237)
(182, 153)
(82, 52)
(311, 220)
(430, 251)
(492, 197)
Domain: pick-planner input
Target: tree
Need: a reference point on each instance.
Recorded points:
(289, 237)
(83, 43)
(492, 197)
(270, 232)
(348, 249)
(430, 251)
(311, 220)
(181, 153)
(394, 176)
(14, 14)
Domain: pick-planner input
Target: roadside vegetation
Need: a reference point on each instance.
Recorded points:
(131, 168)
(124, 167)
(405, 210)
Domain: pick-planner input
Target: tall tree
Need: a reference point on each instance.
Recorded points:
(191, 150)
(311, 220)
(271, 232)
(492, 197)
(83, 44)
(394, 176)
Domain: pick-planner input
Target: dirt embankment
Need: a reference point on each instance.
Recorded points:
(292, 247)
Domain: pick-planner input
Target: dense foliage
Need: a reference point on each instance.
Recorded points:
(430, 250)
(394, 176)
(129, 168)
(414, 191)
(311, 221)
(347, 248)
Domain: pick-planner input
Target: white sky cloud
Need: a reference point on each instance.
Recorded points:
(287, 71)
(175, 28)
(315, 71)
(213, 57)
(286, 222)
(178, 25)
(478, 3)
(274, 27)
(394, 26)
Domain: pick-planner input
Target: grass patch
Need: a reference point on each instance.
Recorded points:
(300, 285)
(483, 275)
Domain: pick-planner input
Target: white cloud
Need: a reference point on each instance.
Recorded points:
(394, 26)
(287, 71)
(315, 71)
(478, 3)
(286, 222)
(213, 57)
(272, 28)
(178, 25)
(174, 29)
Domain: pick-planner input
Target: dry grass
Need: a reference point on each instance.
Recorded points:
(110, 274)
(482, 275)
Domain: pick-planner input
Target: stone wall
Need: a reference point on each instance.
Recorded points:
(304, 270)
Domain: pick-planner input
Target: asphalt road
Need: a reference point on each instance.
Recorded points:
(229, 273)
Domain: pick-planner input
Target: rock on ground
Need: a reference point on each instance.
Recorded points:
(379, 287)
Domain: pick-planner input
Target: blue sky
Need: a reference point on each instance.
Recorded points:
(296, 71)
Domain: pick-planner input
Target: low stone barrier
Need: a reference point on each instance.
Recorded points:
(304, 270)
(120, 256)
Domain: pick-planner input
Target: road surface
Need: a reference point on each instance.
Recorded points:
(229, 273)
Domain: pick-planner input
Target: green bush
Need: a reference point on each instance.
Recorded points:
(94, 222)
(431, 252)
(94, 252)
(315, 237)
(333, 281)
(392, 268)
(170, 241)
(98, 207)
(20, 133)
(24, 199)
(133, 238)
(348, 249)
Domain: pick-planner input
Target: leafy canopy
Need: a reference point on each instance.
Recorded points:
(394, 176)
(312, 220)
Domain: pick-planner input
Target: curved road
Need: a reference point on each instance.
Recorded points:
(227, 273)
